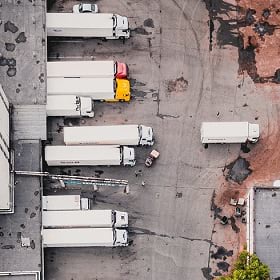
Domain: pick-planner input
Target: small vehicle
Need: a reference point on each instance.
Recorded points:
(85, 8)
(151, 157)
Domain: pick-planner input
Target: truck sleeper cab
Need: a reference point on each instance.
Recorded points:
(121, 27)
(146, 135)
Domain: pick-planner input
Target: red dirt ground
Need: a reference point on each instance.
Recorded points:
(268, 46)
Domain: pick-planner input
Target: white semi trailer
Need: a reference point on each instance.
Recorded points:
(87, 69)
(85, 219)
(6, 184)
(69, 106)
(229, 132)
(105, 89)
(100, 25)
(131, 135)
(89, 155)
(65, 202)
(84, 237)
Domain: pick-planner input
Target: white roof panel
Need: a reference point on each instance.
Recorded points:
(82, 155)
(4, 118)
(81, 86)
(4, 182)
(79, 20)
(61, 202)
(78, 218)
(111, 134)
(82, 69)
(224, 129)
(78, 237)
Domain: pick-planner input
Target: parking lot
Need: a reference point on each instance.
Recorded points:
(179, 79)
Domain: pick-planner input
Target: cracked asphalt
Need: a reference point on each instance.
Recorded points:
(178, 81)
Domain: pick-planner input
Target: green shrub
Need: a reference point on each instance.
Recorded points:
(248, 267)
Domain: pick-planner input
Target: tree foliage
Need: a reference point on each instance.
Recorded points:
(248, 267)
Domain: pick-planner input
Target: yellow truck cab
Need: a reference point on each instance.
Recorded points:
(122, 90)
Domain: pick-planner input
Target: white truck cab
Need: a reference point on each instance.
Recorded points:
(254, 132)
(121, 219)
(128, 155)
(121, 26)
(146, 135)
(120, 237)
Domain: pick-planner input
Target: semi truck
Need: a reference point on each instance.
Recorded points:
(101, 25)
(229, 132)
(131, 135)
(87, 69)
(69, 106)
(103, 89)
(84, 237)
(89, 155)
(85, 219)
(65, 202)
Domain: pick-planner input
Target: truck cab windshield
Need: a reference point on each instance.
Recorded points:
(114, 21)
(114, 235)
(114, 217)
(115, 85)
(115, 67)
(140, 130)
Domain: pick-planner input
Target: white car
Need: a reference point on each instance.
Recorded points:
(85, 8)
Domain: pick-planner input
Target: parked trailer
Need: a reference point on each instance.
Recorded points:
(109, 26)
(84, 237)
(69, 106)
(87, 69)
(65, 202)
(109, 135)
(85, 219)
(105, 89)
(6, 185)
(229, 132)
(89, 155)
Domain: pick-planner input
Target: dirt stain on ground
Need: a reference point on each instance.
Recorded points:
(206, 271)
(260, 33)
(252, 27)
(10, 47)
(141, 30)
(238, 170)
(21, 38)
(9, 26)
(222, 253)
(149, 23)
(178, 85)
